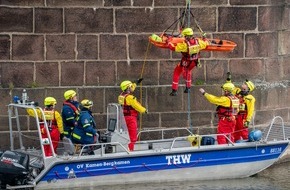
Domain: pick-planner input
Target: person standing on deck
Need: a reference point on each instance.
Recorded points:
(131, 108)
(70, 112)
(246, 110)
(227, 109)
(54, 124)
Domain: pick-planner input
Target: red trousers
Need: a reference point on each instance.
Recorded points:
(185, 69)
(227, 127)
(131, 122)
(241, 132)
(55, 137)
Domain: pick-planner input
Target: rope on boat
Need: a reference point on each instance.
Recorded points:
(141, 92)
(135, 170)
(90, 173)
(57, 175)
(194, 164)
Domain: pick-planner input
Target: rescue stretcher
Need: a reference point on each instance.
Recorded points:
(213, 44)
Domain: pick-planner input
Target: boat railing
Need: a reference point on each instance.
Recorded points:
(199, 138)
(276, 130)
(169, 144)
(163, 131)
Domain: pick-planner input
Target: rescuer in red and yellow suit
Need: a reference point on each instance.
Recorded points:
(190, 49)
(227, 109)
(131, 108)
(54, 124)
(246, 110)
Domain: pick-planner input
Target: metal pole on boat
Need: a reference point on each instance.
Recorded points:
(10, 127)
(188, 113)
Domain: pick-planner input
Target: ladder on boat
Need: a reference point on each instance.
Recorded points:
(14, 110)
(277, 130)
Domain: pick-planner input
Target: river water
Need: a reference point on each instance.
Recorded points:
(276, 177)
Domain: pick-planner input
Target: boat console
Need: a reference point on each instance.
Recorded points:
(116, 129)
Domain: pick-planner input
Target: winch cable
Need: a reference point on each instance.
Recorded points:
(175, 23)
(141, 76)
(188, 94)
(188, 11)
(197, 25)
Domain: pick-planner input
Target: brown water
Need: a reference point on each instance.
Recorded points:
(276, 177)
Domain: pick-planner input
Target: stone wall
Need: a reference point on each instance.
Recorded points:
(49, 46)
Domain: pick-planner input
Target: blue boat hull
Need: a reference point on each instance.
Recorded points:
(216, 162)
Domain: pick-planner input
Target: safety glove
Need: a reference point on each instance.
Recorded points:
(246, 124)
(61, 136)
(229, 77)
(138, 81)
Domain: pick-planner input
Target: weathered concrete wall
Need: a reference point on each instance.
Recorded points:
(49, 46)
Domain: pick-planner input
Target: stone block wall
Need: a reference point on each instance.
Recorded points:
(49, 46)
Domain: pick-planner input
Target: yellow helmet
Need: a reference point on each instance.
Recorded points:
(49, 101)
(250, 85)
(125, 84)
(69, 94)
(187, 32)
(87, 103)
(228, 86)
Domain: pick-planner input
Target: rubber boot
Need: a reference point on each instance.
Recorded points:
(173, 93)
(187, 90)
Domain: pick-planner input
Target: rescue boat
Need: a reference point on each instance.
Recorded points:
(184, 157)
(163, 40)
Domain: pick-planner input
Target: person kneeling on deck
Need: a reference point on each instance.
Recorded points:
(228, 106)
(85, 132)
(131, 107)
(54, 124)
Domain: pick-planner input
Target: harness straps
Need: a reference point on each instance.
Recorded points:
(75, 109)
(127, 110)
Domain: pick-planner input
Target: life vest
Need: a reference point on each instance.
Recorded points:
(192, 46)
(192, 53)
(127, 109)
(229, 111)
(50, 119)
(242, 106)
(73, 107)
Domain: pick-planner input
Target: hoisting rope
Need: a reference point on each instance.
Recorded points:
(186, 14)
(141, 76)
